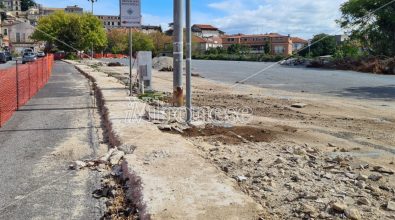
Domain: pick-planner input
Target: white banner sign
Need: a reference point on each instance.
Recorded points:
(130, 13)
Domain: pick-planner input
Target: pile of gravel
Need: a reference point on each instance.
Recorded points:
(163, 63)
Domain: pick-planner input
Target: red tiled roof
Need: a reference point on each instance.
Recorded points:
(205, 27)
(197, 39)
(299, 40)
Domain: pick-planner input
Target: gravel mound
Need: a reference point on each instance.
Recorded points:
(163, 63)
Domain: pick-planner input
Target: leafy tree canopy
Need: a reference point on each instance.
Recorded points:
(118, 41)
(371, 23)
(26, 4)
(70, 32)
(321, 45)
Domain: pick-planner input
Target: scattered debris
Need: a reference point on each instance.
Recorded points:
(381, 169)
(164, 64)
(339, 206)
(298, 105)
(115, 64)
(391, 205)
(353, 214)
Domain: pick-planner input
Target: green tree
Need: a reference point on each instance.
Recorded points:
(237, 49)
(321, 45)
(142, 42)
(70, 32)
(371, 23)
(26, 4)
(118, 41)
(266, 48)
(349, 49)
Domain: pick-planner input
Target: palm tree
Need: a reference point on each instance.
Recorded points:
(93, 1)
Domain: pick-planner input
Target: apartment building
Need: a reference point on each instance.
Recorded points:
(278, 44)
(11, 5)
(206, 31)
(69, 9)
(114, 22)
(16, 35)
(204, 44)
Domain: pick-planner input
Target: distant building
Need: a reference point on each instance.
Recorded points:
(277, 44)
(74, 9)
(69, 9)
(298, 44)
(204, 44)
(16, 35)
(341, 38)
(206, 31)
(110, 21)
(114, 22)
(11, 5)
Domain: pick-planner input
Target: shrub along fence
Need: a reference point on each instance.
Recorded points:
(18, 84)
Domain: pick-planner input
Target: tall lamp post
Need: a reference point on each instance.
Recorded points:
(92, 1)
(189, 61)
(178, 55)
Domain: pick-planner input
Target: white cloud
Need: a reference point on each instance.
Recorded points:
(303, 18)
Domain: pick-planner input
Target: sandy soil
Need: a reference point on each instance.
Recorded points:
(332, 159)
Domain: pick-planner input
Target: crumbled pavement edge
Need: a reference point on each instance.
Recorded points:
(132, 182)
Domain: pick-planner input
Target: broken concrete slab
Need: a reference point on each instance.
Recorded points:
(182, 185)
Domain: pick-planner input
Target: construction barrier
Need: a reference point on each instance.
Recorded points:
(109, 55)
(18, 84)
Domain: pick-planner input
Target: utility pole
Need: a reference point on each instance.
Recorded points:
(189, 61)
(178, 92)
(130, 61)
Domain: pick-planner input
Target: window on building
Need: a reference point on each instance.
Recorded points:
(5, 32)
(113, 23)
(279, 49)
(24, 37)
(18, 37)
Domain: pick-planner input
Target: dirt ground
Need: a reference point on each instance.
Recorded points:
(332, 159)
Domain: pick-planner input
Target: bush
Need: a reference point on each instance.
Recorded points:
(71, 56)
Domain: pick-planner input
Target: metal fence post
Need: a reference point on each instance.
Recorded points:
(28, 74)
(17, 86)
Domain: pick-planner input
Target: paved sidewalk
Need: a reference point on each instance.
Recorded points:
(177, 183)
(54, 128)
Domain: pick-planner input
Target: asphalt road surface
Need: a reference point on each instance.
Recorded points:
(7, 65)
(296, 79)
(37, 145)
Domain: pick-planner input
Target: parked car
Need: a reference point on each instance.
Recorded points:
(8, 55)
(40, 54)
(29, 57)
(3, 57)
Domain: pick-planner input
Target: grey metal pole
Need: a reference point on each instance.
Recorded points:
(188, 62)
(130, 61)
(178, 92)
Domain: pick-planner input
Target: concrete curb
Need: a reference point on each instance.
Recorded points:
(132, 181)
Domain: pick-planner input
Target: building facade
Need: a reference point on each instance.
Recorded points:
(11, 5)
(206, 31)
(114, 22)
(276, 43)
(16, 35)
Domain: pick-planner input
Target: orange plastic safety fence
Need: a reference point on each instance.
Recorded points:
(20, 83)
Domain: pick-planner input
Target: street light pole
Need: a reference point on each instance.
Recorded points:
(130, 61)
(189, 61)
(178, 93)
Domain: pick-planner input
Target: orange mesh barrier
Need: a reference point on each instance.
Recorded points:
(20, 83)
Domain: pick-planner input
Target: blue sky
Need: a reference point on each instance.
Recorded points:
(302, 18)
